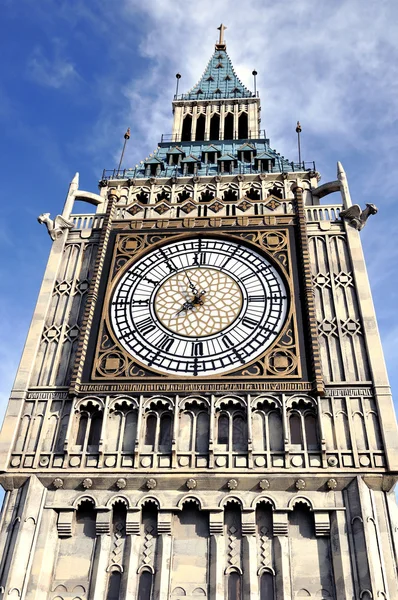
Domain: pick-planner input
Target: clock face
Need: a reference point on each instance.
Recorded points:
(198, 307)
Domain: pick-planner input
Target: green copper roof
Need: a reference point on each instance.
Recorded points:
(218, 81)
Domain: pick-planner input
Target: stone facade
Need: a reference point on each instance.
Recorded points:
(271, 482)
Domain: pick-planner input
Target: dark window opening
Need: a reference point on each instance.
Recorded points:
(142, 198)
(182, 196)
(145, 586)
(215, 127)
(174, 159)
(154, 169)
(186, 129)
(212, 157)
(295, 431)
(206, 196)
(246, 156)
(234, 586)
(223, 430)
(163, 195)
(200, 128)
(243, 130)
(81, 433)
(230, 196)
(311, 432)
(229, 127)
(267, 587)
(95, 430)
(276, 191)
(150, 432)
(253, 194)
(239, 435)
(165, 432)
(190, 168)
(114, 586)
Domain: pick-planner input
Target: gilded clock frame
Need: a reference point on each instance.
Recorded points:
(281, 360)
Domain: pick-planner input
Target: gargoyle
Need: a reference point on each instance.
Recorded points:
(356, 217)
(55, 227)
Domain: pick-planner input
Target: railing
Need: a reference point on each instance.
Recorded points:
(87, 221)
(325, 212)
(204, 210)
(215, 96)
(252, 135)
(206, 170)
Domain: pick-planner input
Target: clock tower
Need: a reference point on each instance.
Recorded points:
(202, 408)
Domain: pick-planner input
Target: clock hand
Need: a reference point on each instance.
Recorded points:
(191, 285)
(188, 305)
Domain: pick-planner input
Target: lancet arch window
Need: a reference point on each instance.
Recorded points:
(186, 129)
(200, 128)
(194, 428)
(303, 426)
(215, 127)
(267, 427)
(122, 426)
(231, 428)
(243, 129)
(89, 427)
(229, 127)
(158, 429)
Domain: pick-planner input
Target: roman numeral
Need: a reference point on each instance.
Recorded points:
(251, 323)
(146, 326)
(256, 299)
(197, 349)
(165, 343)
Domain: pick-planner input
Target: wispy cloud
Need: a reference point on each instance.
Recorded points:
(55, 72)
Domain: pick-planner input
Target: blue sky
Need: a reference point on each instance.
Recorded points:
(76, 73)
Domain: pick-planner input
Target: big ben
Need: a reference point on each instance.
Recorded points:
(202, 408)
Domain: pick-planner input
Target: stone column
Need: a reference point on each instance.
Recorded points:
(217, 555)
(283, 584)
(250, 561)
(21, 550)
(164, 556)
(129, 587)
(45, 556)
(99, 577)
(341, 556)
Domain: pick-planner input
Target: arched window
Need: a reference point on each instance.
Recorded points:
(215, 127)
(94, 435)
(234, 586)
(311, 428)
(267, 586)
(232, 431)
(200, 128)
(186, 129)
(229, 127)
(150, 431)
(89, 430)
(114, 586)
(239, 434)
(81, 432)
(223, 429)
(130, 431)
(267, 429)
(296, 435)
(145, 586)
(165, 433)
(243, 132)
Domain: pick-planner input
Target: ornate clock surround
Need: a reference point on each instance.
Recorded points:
(284, 360)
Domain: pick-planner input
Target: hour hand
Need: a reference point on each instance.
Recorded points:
(188, 305)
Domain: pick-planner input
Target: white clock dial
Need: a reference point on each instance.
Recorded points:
(197, 307)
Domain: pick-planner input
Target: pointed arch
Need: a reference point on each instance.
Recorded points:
(186, 128)
(200, 128)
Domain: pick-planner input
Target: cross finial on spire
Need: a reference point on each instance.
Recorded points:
(221, 45)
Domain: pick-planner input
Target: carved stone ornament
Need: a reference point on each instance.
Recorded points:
(191, 484)
(55, 227)
(58, 483)
(264, 484)
(232, 484)
(151, 484)
(300, 484)
(285, 176)
(332, 484)
(103, 183)
(217, 178)
(356, 217)
(240, 178)
(121, 483)
(87, 483)
(332, 461)
(196, 179)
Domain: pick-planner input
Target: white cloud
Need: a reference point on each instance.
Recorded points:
(55, 72)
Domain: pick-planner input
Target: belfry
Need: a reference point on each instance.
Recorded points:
(202, 408)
